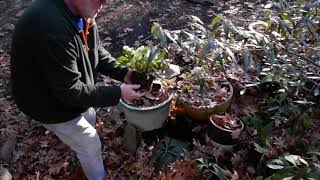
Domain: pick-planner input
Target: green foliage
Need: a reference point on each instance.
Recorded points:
(143, 59)
(159, 34)
(167, 151)
(210, 168)
(196, 40)
(202, 77)
(294, 167)
(263, 123)
(280, 57)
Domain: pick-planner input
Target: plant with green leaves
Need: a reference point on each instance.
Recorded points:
(203, 87)
(264, 127)
(278, 56)
(203, 83)
(293, 167)
(195, 43)
(167, 151)
(144, 59)
(210, 169)
(146, 62)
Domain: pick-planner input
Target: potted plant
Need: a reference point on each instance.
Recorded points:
(152, 110)
(145, 61)
(204, 91)
(224, 130)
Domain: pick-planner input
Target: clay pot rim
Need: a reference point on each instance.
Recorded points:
(224, 129)
(122, 102)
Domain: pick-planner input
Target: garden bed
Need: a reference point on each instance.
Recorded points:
(279, 111)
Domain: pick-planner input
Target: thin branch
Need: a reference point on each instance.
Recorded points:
(302, 57)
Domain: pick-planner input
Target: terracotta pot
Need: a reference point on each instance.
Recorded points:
(221, 136)
(203, 114)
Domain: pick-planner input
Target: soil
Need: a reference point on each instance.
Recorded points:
(152, 98)
(226, 122)
(207, 98)
(144, 80)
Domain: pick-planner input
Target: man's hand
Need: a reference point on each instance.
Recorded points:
(128, 92)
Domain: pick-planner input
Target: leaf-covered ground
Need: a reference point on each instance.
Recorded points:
(40, 155)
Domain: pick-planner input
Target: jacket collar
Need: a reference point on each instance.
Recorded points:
(66, 12)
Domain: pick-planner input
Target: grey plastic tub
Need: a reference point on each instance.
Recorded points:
(147, 118)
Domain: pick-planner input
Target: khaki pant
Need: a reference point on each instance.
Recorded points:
(81, 136)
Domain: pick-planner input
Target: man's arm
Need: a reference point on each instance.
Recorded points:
(58, 61)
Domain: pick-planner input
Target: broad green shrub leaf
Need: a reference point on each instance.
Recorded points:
(246, 59)
(143, 59)
(282, 174)
(260, 149)
(216, 20)
(231, 54)
(219, 172)
(314, 152)
(226, 29)
(276, 164)
(159, 34)
(265, 132)
(216, 23)
(296, 160)
(195, 19)
(167, 151)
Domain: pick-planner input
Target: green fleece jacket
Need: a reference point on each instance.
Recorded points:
(53, 72)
